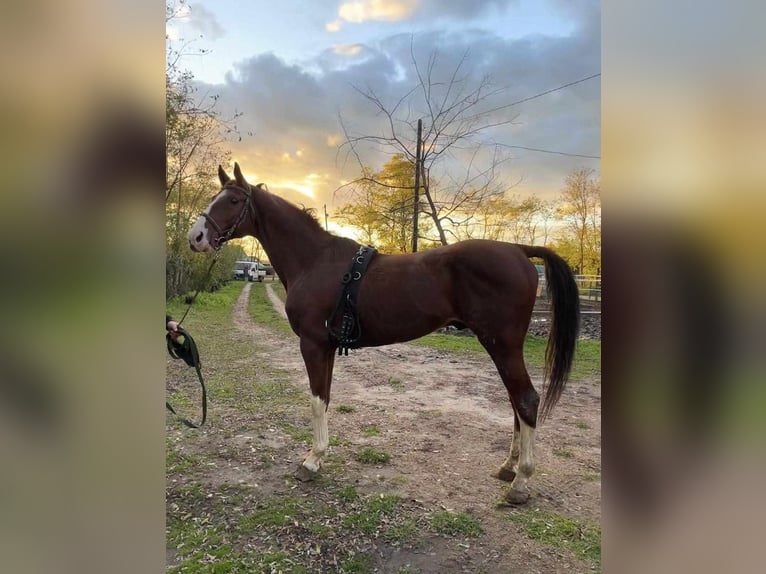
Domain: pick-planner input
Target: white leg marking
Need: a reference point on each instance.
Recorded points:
(513, 457)
(321, 441)
(526, 456)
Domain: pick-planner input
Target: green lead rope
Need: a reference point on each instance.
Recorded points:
(187, 352)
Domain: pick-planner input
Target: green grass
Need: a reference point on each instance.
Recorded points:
(219, 302)
(384, 503)
(368, 520)
(371, 431)
(372, 456)
(396, 383)
(583, 426)
(552, 529)
(348, 494)
(358, 564)
(587, 361)
(406, 531)
(456, 524)
(563, 452)
(276, 512)
(344, 409)
(263, 312)
(279, 290)
(180, 462)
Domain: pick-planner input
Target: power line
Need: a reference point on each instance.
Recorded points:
(545, 93)
(550, 151)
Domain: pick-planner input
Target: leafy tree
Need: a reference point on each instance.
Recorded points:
(580, 211)
(381, 206)
(195, 137)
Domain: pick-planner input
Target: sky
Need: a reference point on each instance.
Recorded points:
(293, 68)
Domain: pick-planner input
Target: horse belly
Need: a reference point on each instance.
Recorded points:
(399, 315)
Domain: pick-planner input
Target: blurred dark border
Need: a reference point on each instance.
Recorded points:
(683, 201)
(82, 361)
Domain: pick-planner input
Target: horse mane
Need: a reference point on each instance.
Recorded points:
(307, 214)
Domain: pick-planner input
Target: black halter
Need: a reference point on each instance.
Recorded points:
(225, 234)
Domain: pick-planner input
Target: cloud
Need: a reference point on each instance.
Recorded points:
(347, 49)
(204, 21)
(398, 10)
(296, 107)
(334, 26)
(379, 10)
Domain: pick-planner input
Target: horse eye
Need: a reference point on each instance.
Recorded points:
(235, 200)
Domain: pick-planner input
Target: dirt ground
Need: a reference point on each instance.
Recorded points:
(446, 420)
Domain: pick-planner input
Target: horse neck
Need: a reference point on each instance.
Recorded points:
(288, 238)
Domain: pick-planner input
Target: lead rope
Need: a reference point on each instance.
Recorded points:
(202, 284)
(187, 351)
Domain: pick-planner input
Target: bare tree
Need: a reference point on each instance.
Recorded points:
(457, 115)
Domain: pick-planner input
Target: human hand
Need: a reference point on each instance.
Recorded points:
(172, 328)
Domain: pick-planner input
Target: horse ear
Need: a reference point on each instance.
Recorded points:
(238, 176)
(222, 175)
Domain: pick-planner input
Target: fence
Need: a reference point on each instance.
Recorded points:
(588, 285)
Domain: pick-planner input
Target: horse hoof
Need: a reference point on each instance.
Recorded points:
(304, 474)
(516, 497)
(505, 474)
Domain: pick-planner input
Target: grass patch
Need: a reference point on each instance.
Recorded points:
(456, 524)
(279, 290)
(277, 512)
(344, 409)
(384, 503)
(587, 361)
(592, 476)
(372, 456)
(263, 312)
(218, 303)
(563, 453)
(583, 426)
(179, 462)
(368, 520)
(371, 431)
(348, 494)
(297, 433)
(405, 532)
(555, 530)
(396, 383)
(358, 564)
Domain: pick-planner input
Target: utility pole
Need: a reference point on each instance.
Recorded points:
(416, 203)
(325, 217)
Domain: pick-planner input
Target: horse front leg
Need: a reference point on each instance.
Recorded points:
(319, 361)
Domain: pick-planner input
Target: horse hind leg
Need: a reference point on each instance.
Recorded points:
(507, 470)
(520, 464)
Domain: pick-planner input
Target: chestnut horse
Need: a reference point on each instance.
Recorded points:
(489, 286)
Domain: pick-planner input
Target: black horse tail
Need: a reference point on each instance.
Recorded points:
(565, 325)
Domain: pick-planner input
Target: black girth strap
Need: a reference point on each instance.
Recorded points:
(187, 351)
(350, 328)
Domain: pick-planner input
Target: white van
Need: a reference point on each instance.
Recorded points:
(249, 271)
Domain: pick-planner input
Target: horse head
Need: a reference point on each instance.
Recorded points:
(223, 218)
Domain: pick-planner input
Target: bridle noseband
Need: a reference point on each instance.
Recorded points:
(225, 235)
